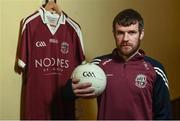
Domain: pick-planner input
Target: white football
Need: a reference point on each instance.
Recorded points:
(90, 72)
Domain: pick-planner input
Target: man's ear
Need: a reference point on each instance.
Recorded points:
(142, 34)
(114, 35)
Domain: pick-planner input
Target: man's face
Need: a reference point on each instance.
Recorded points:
(128, 39)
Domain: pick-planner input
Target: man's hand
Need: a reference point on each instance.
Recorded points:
(83, 90)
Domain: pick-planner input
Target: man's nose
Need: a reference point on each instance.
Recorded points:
(126, 37)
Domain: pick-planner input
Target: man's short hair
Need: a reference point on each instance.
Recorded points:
(128, 17)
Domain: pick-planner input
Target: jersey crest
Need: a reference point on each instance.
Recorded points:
(64, 47)
(141, 81)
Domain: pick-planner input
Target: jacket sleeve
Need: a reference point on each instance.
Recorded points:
(67, 91)
(161, 97)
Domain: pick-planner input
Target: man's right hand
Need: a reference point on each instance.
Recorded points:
(83, 90)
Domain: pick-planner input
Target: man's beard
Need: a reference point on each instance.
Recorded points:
(127, 49)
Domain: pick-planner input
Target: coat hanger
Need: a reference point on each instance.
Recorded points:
(52, 6)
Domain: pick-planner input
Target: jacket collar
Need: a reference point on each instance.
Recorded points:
(135, 57)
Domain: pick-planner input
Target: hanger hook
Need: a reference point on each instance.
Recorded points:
(46, 2)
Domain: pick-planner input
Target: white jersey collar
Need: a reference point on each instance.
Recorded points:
(43, 14)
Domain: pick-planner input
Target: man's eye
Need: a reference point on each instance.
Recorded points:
(119, 32)
(132, 32)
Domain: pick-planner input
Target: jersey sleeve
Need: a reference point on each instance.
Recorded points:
(23, 46)
(80, 46)
(78, 40)
(161, 97)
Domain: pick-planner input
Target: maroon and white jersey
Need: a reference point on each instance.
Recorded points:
(50, 48)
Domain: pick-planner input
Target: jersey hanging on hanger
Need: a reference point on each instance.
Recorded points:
(50, 48)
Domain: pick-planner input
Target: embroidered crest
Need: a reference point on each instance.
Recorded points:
(141, 81)
(64, 47)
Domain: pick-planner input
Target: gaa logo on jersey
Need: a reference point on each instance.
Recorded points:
(64, 47)
(141, 81)
(40, 44)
